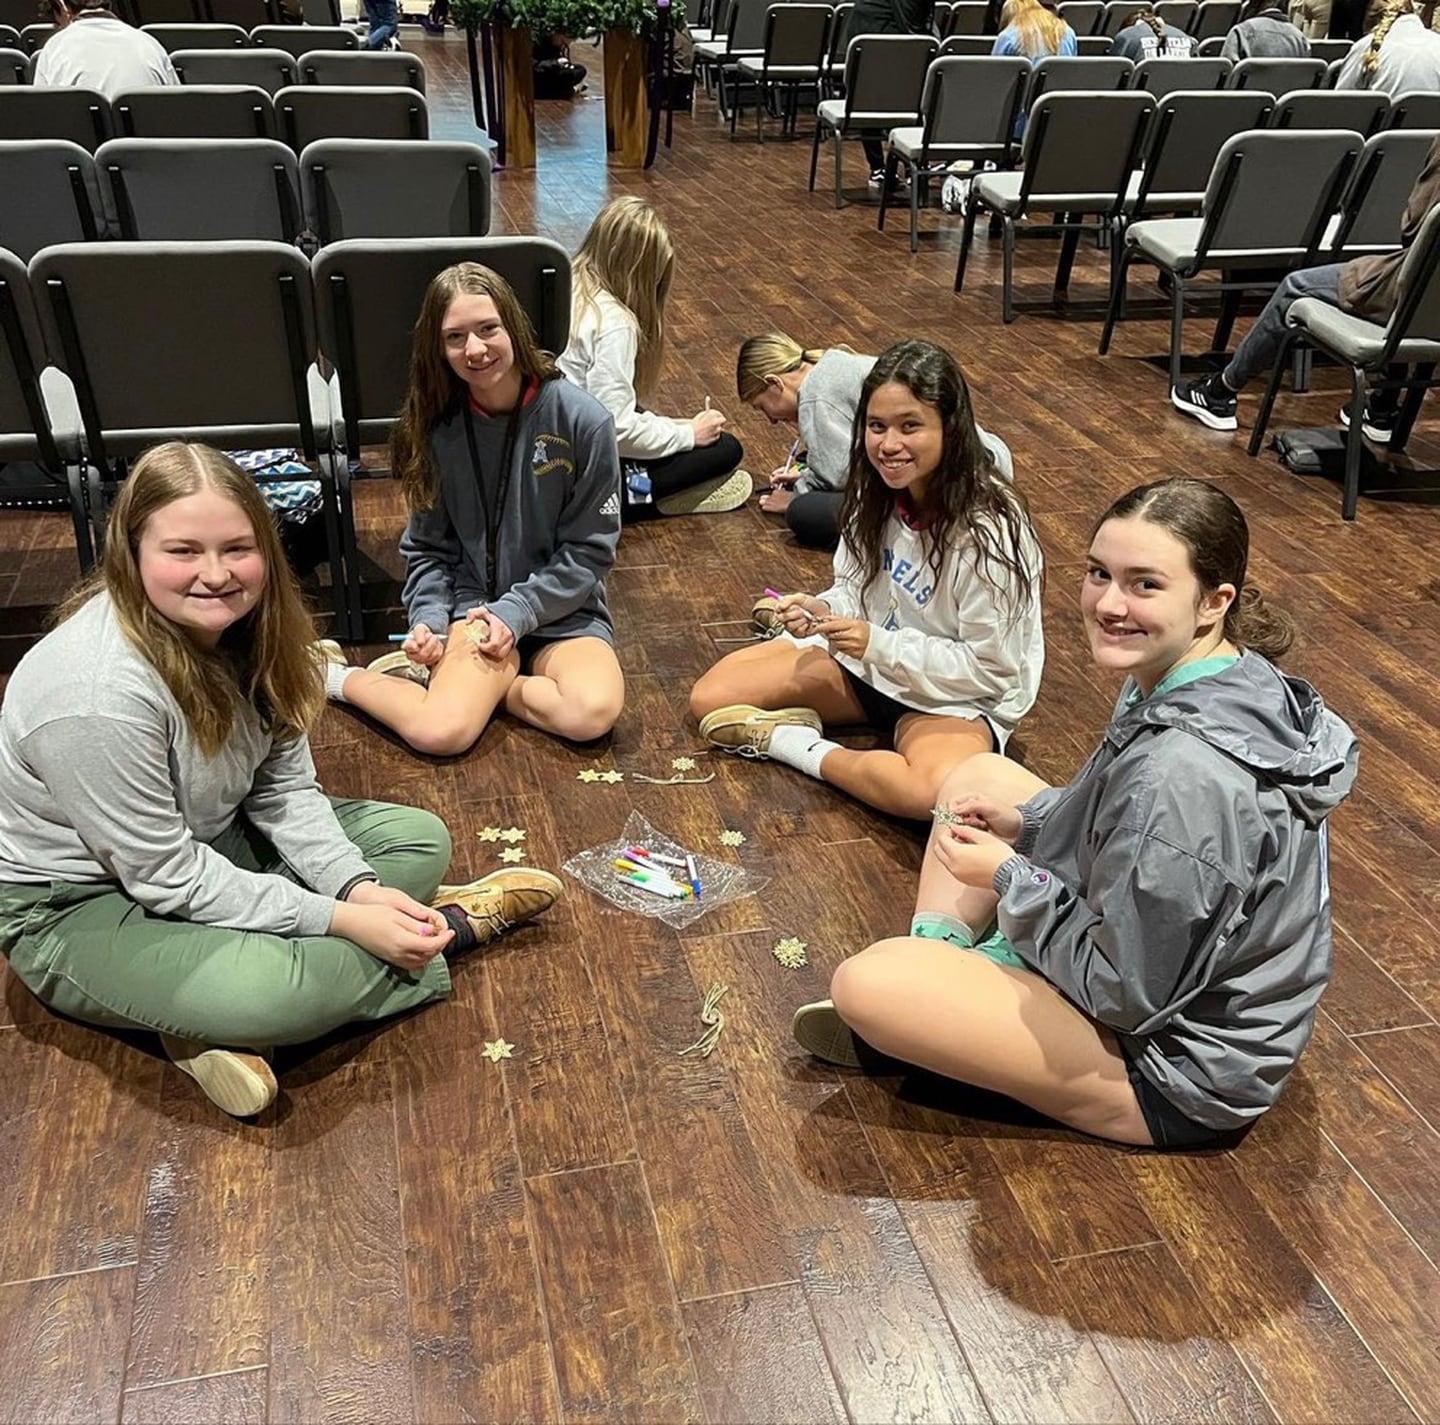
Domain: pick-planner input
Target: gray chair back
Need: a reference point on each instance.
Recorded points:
(301, 39)
(251, 189)
(321, 12)
(966, 17)
(24, 429)
(9, 37)
(745, 26)
(1419, 109)
(367, 294)
(1116, 13)
(232, 373)
(363, 68)
(33, 37)
(884, 75)
(1417, 314)
(1092, 46)
(1059, 73)
(1363, 110)
(62, 197)
(1209, 48)
(195, 111)
(385, 188)
(1373, 208)
(1083, 16)
(1272, 191)
(174, 37)
(1332, 73)
(1164, 74)
(797, 38)
(306, 112)
(1277, 76)
(1180, 13)
(14, 67)
(1079, 142)
(972, 104)
(1328, 51)
(1215, 18)
(78, 115)
(1190, 129)
(969, 46)
(267, 69)
(247, 14)
(839, 33)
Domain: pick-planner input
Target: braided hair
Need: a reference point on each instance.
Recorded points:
(1392, 12)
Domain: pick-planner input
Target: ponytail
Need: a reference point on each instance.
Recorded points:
(1254, 623)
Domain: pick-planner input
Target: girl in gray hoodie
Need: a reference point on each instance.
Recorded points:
(1162, 923)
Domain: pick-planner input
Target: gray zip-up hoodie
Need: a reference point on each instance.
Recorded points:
(559, 527)
(1177, 890)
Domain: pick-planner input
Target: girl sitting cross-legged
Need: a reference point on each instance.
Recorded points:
(1163, 921)
(930, 632)
(512, 481)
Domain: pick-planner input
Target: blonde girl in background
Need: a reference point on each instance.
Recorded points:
(620, 279)
(1400, 55)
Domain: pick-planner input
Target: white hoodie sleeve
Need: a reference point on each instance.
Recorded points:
(845, 594)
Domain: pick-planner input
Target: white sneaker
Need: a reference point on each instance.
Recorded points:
(398, 665)
(954, 192)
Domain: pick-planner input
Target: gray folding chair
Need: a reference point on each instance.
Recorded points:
(33, 37)
(1116, 13)
(1328, 51)
(1372, 209)
(14, 67)
(386, 188)
(297, 40)
(969, 107)
(1211, 48)
(1092, 46)
(1083, 16)
(797, 39)
(195, 111)
(970, 47)
(1080, 150)
(1165, 74)
(1090, 73)
(62, 196)
(1411, 338)
(207, 341)
(884, 76)
(743, 35)
(306, 112)
(367, 294)
(966, 17)
(1214, 19)
(1181, 14)
(1332, 73)
(9, 37)
(1416, 110)
(392, 69)
(1363, 110)
(251, 188)
(1269, 198)
(39, 421)
(1277, 76)
(835, 57)
(175, 37)
(79, 116)
(267, 69)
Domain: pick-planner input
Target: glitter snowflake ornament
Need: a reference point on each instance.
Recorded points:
(612, 777)
(512, 834)
(497, 1049)
(490, 833)
(587, 774)
(683, 764)
(512, 854)
(732, 838)
(790, 952)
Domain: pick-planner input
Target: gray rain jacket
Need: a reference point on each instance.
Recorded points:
(1177, 890)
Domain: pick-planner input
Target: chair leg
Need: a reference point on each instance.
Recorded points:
(914, 171)
(1068, 244)
(1007, 293)
(760, 97)
(1272, 389)
(1177, 327)
(75, 478)
(1118, 277)
(892, 163)
(1354, 446)
(1420, 379)
(1225, 323)
(967, 235)
(839, 195)
(815, 152)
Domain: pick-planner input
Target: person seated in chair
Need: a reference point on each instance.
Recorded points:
(1368, 287)
(93, 48)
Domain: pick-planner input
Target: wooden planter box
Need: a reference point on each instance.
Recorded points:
(627, 112)
(515, 60)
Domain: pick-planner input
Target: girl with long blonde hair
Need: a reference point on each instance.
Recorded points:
(1401, 54)
(167, 859)
(1034, 31)
(620, 278)
(512, 481)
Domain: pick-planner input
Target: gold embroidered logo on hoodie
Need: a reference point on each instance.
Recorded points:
(552, 453)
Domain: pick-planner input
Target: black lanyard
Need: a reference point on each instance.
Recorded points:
(493, 517)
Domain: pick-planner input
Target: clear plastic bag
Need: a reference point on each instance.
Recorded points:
(720, 881)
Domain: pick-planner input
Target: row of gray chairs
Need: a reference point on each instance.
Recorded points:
(297, 115)
(205, 190)
(18, 14)
(129, 333)
(295, 40)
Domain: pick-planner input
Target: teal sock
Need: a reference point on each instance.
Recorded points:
(936, 925)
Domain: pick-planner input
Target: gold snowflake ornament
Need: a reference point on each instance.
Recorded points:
(732, 838)
(512, 854)
(612, 777)
(587, 774)
(790, 952)
(490, 833)
(512, 834)
(478, 632)
(683, 764)
(497, 1049)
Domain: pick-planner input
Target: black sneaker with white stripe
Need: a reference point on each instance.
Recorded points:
(1209, 400)
(1377, 425)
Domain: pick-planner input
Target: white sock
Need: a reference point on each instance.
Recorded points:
(800, 747)
(335, 676)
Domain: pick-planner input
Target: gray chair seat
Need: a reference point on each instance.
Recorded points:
(1353, 339)
(832, 112)
(1186, 201)
(754, 65)
(1001, 191)
(1172, 242)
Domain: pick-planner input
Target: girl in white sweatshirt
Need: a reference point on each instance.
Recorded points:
(621, 275)
(931, 629)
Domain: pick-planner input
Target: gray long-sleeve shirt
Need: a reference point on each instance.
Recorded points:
(101, 780)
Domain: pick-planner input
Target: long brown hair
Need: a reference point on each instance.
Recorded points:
(966, 496)
(435, 391)
(628, 253)
(264, 658)
(1212, 528)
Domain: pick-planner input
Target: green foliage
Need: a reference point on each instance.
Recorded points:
(565, 17)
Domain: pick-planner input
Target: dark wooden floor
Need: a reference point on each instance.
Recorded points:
(598, 1229)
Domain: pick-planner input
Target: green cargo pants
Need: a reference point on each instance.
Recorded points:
(91, 952)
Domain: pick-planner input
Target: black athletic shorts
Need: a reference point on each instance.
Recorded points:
(1169, 1128)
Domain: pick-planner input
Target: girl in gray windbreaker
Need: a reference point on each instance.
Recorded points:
(1163, 922)
(513, 483)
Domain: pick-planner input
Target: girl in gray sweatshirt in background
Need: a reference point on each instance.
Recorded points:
(512, 478)
(1163, 930)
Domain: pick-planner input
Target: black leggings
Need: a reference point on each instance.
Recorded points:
(673, 473)
(814, 518)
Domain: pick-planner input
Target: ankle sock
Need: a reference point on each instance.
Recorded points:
(459, 922)
(936, 925)
(335, 676)
(800, 747)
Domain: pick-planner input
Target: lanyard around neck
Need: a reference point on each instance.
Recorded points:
(493, 516)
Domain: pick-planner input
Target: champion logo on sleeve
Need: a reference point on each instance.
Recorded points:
(1040, 878)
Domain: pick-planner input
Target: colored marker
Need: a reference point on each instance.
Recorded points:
(631, 872)
(775, 594)
(401, 637)
(694, 874)
(790, 459)
(653, 856)
(669, 890)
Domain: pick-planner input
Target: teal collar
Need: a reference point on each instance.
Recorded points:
(1186, 673)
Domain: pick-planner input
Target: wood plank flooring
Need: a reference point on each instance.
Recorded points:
(600, 1230)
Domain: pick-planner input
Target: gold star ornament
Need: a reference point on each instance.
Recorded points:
(512, 854)
(512, 834)
(497, 1049)
(490, 833)
(587, 774)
